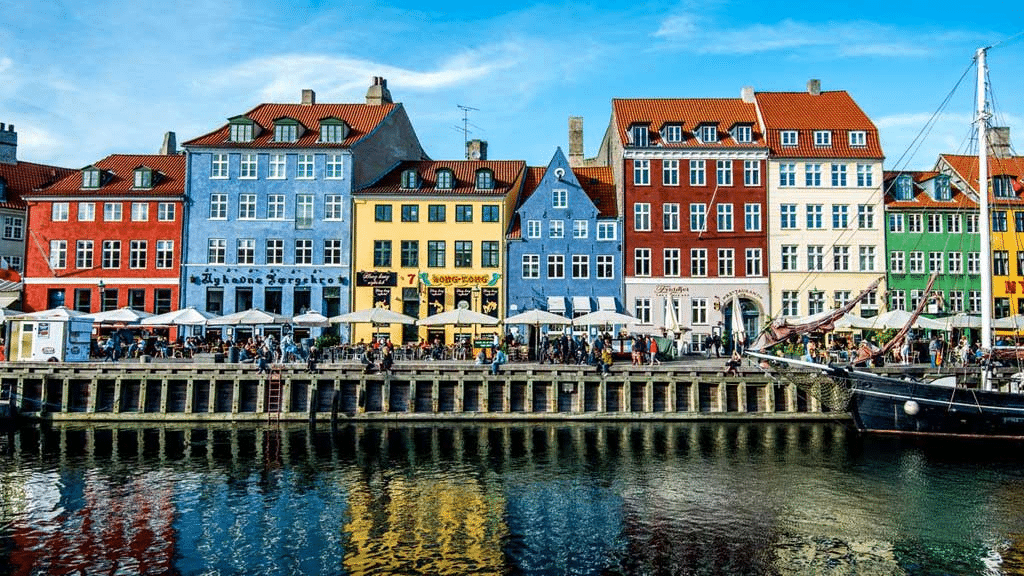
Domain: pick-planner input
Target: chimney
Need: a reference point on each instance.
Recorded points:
(308, 97)
(814, 87)
(575, 141)
(8, 144)
(999, 142)
(476, 150)
(378, 93)
(170, 146)
(747, 94)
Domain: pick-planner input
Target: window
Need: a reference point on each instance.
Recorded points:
(59, 212)
(904, 187)
(436, 253)
(1002, 187)
(489, 213)
(841, 258)
(752, 217)
(742, 134)
(790, 303)
(436, 213)
(972, 223)
(974, 300)
(559, 198)
(698, 311)
(275, 251)
(410, 213)
(580, 229)
(247, 169)
(332, 131)
(143, 178)
(935, 223)
(165, 212)
(670, 261)
(726, 262)
(333, 207)
(86, 211)
(642, 262)
(275, 207)
(815, 258)
(111, 254)
(216, 251)
(896, 262)
(606, 231)
(865, 216)
(935, 262)
(916, 262)
(334, 167)
(670, 217)
(822, 138)
(531, 266)
(304, 166)
(642, 309)
(304, 251)
(865, 177)
(956, 262)
(463, 213)
(956, 301)
(241, 131)
(914, 223)
(304, 211)
(642, 217)
(858, 138)
(605, 266)
(278, 163)
(751, 172)
(838, 175)
(789, 138)
(245, 251)
(724, 212)
(161, 300)
(698, 262)
(219, 166)
(83, 254)
(410, 253)
(641, 172)
(670, 172)
(381, 253)
(14, 227)
(484, 180)
(533, 228)
(556, 266)
(91, 178)
(108, 299)
(137, 250)
(753, 262)
(83, 300)
(463, 253)
(812, 174)
(973, 263)
(218, 206)
(814, 216)
(489, 254)
(638, 135)
(999, 221)
(556, 229)
(787, 174)
(580, 266)
(382, 212)
(672, 133)
(867, 258)
(815, 302)
(1020, 263)
(112, 212)
(787, 216)
(1018, 221)
(445, 179)
(724, 172)
(788, 261)
(708, 133)
(1000, 263)
(246, 206)
(697, 173)
(410, 179)
(895, 222)
(841, 298)
(15, 263)
(840, 216)
(897, 299)
(1001, 307)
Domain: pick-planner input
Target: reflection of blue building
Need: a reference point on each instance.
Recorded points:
(269, 195)
(565, 242)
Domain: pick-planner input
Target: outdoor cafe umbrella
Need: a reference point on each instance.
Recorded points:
(604, 318)
(458, 316)
(311, 320)
(120, 316)
(536, 318)
(961, 320)
(250, 317)
(1015, 323)
(184, 317)
(374, 316)
(896, 319)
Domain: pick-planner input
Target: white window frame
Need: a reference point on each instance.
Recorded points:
(246, 206)
(641, 172)
(751, 172)
(531, 266)
(671, 261)
(580, 229)
(580, 266)
(86, 211)
(112, 212)
(58, 254)
(219, 166)
(607, 231)
(823, 138)
(278, 167)
(723, 172)
(789, 138)
(559, 198)
(166, 212)
(754, 263)
(216, 251)
(334, 167)
(858, 138)
(605, 266)
(724, 217)
(556, 228)
(642, 262)
(698, 173)
(140, 212)
(533, 229)
(726, 262)
(59, 212)
(670, 172)
(334, 207)
(556, 266)
(670, 214)
(699, 262)
(248, 166)
(642, 216)
(164, 254)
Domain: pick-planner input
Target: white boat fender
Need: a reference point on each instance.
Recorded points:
(911, 407)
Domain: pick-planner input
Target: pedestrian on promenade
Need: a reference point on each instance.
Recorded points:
(654, 351)
(933, 350)
(312, 359)
(499, 358)
(733, 365)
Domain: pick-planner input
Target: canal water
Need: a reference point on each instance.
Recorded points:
(506, 498)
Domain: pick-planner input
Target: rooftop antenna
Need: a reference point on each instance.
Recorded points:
(465, 126)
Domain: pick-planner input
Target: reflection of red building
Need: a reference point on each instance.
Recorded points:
(108, 236)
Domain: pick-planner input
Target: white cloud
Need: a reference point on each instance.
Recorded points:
(5, 64)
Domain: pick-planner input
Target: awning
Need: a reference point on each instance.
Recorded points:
(8, 299)
(580, 305)
(556, 304)
(607, 303)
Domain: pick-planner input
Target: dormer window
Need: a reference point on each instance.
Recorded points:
(708, 133)
(484, 179)
(743, 134)
(3, 190)
(286, 130)
(241, 130)
(1002, 187)
(445, 179)
(333, 131)
(788, 138)
(143, 178)
(638, 135)
(858, 138)
(942, 189)
(823, 138)
(672, 133)
(410, 179)
(904, 187)
(91, 178)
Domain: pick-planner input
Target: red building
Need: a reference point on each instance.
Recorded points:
(108, 236)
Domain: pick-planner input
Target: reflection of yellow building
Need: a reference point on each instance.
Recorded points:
(428, 238)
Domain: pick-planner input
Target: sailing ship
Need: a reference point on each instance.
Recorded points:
(909, 405)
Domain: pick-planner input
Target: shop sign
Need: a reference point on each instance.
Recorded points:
(435, 300)
(376, 278)
(671, 289)
(429, 279)
(293, 277)
(382, 298)
(489, 301)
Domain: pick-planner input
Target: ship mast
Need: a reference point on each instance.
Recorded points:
(985, 222)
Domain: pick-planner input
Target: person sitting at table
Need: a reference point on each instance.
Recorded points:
(733, 365)
(499, 358)
(387, 358)
(311, 360)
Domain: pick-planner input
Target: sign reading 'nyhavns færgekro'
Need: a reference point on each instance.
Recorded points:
(283, 277)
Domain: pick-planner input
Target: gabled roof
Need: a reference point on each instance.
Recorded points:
(508, 176)
(967, 168)
(959, 200)
(690, 113)
(597, 182)
(168, 180)
(361, 119)
(21, 178)
(805, 113)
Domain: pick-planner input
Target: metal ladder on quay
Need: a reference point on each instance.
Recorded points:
(273, 407)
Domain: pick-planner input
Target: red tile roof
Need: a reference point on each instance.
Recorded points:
(169, 179)
(23, 177)
(922, 200)
(967, 168)
(690, 113)
(805, 113)
(598, 182)
(508, 176)
(361, 119)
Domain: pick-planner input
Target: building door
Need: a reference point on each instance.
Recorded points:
(410, 307)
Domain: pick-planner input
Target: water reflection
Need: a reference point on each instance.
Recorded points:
(658, 498)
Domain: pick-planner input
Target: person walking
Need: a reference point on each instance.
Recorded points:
(933, 350)
(654, 351)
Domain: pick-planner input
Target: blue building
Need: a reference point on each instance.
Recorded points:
(268, 218)
(565, 242)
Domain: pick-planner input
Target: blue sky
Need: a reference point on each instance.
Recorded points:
(83, 80)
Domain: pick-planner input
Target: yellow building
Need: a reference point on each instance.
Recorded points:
(429, 237)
